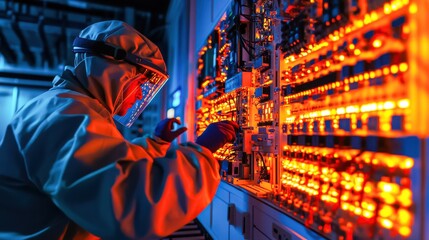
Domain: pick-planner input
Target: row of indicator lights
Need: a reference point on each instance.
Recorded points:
(386, 71)
(368, 18)
(376, 159)
(317, 70)
(384, 122)
(364, 108)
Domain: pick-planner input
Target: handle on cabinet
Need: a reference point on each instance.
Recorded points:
(244, 224)
(231, 213)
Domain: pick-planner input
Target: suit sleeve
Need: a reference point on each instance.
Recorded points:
(117, 189)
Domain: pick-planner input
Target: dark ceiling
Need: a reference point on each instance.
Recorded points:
(38, 33)
(153, 6)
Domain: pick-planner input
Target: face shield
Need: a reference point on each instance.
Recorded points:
(140, 90)
(137, 95)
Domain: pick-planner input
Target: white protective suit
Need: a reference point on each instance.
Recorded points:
(66, 172)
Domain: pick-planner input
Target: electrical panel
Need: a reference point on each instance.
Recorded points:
(329, 96)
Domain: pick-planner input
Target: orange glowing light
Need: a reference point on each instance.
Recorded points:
(406, 29)
(374, 16)
(388, 198)
(367, 214)
(403, 67)
(358, 211)
(328, 63)
(366, 76)
(389, 105)
(341, 110)
(352, 46)
(367, 19)
(358, 23)
(394, 69)
(406, 163)
(341, 57)
(387, 8)
(404, 217)
(358, 188)
(357, 52)
(404, 103)
(389, 187)
(390, 162)
(378, 73)
(386, 223)
(348, 29)
(205, 83)
(386, 71)
(377, 43)
(413, 8)
(405, 198)
(348, 186)
(325, 171)
(367, 159)
(405, 231)
(346, 88)
(395, 5)
(385, 211)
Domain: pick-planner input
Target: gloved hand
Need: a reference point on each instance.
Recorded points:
(217, 134)
(164, 129)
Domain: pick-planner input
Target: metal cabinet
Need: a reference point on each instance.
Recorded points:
(239, 221)
(235, 214)
(228, 215)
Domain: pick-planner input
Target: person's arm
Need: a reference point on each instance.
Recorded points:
(116, 189)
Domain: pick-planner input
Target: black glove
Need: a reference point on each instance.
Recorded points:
(164, 129)
(217, 134)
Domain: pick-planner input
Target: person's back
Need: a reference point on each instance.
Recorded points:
(27, 211)
(68, 173)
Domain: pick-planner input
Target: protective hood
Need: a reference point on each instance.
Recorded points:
(104, 77)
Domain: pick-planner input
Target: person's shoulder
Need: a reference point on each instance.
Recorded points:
(55, 102)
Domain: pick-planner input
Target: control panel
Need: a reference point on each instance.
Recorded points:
(330, 99)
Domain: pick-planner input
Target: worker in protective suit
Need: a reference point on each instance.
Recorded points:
(66, 172)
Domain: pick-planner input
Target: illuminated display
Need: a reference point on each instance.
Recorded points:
(329, 96)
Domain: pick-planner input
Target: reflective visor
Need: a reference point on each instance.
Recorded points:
(149, 87)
